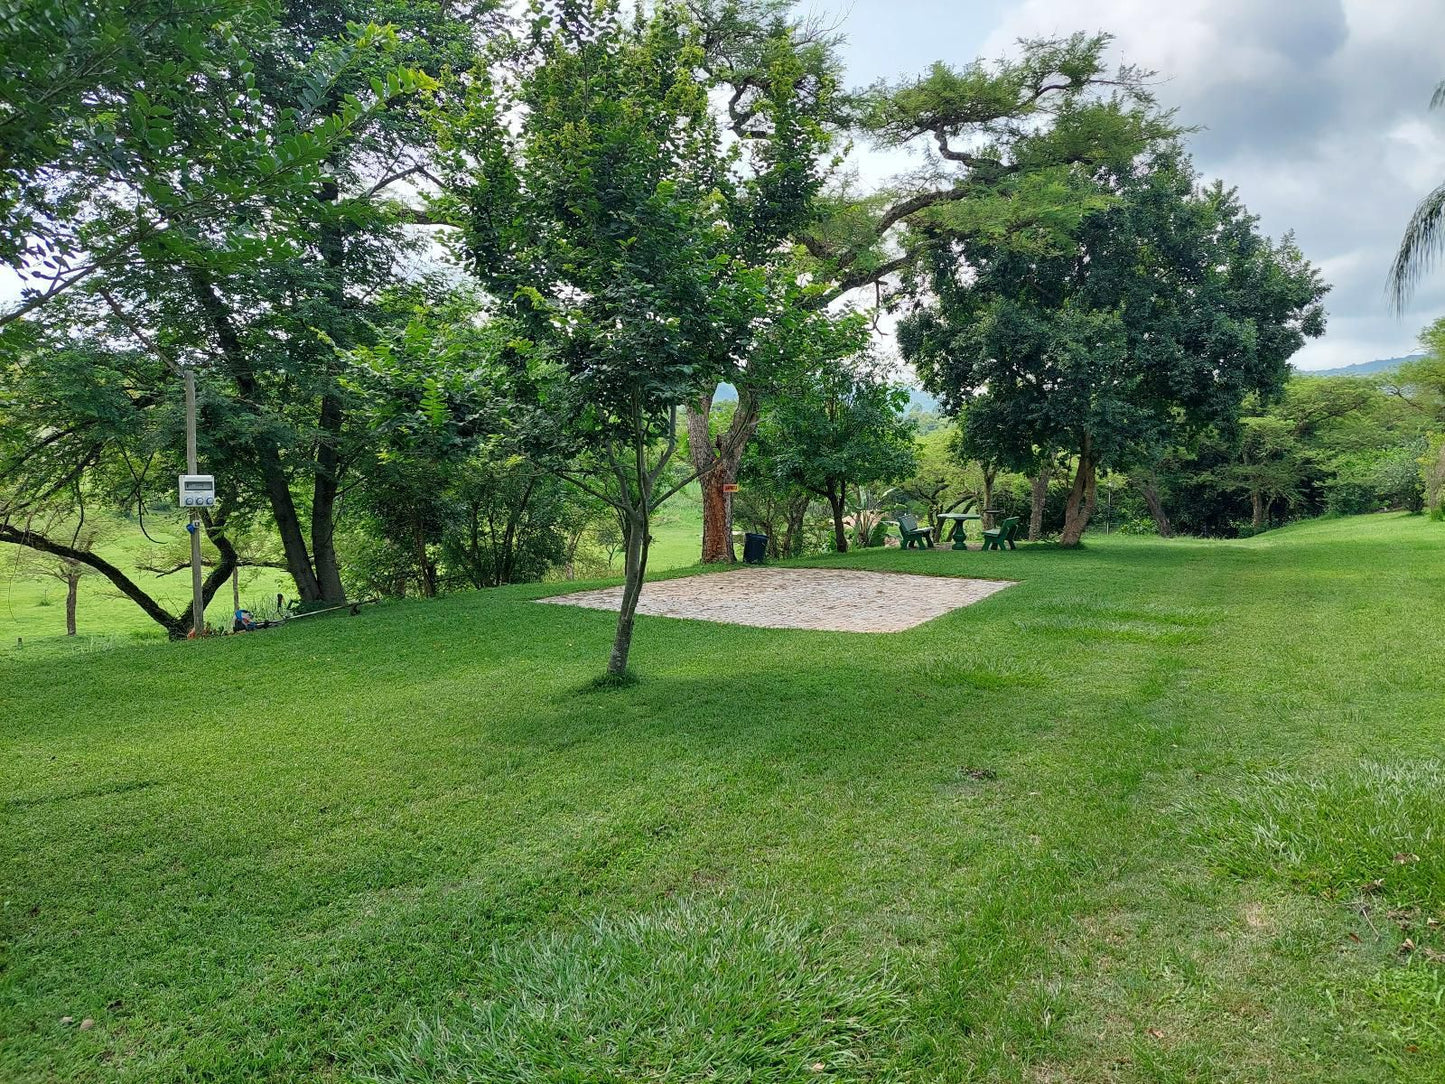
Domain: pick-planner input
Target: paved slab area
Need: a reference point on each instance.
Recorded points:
(833, 600)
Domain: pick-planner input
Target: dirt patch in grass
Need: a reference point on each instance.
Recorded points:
(827, 599)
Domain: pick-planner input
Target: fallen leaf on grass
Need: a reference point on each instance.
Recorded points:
(1155, 1033)
(1377, 885)
(87, 1024)
(818, 1066)
(1407, 946)
(1434, 956)
(67, 1019)
(1354, 937)
(1403, 859)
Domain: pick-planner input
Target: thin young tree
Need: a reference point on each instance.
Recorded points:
(606, 216)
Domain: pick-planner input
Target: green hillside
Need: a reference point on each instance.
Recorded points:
(1165, 811)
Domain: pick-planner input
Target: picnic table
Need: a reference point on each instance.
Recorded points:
(958, 538)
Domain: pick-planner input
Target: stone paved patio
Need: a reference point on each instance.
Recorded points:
(834, 600)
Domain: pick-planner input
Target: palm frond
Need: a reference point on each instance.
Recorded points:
(1438, 98)
(1424, 238)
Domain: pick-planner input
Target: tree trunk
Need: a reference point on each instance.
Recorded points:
(424, 564)
(717, 534)
(273, 474)
(1257, 509)
(323, 502)
(72, 592)
(797, 515)
(1150, 491)
(637, 544)
(716, 461)
(1081, 500)
(840, 533)
(1039, 495)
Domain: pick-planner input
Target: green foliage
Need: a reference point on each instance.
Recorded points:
(1164, 313)
(156, 128)
(843, 427)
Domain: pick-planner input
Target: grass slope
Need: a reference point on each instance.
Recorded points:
(1166, 811)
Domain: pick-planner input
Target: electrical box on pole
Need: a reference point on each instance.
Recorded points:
(197, 491)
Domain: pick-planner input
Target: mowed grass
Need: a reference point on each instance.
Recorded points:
(1165, 811)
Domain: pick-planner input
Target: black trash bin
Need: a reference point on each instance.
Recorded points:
(755, 548)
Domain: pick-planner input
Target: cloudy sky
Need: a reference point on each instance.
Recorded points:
(1317, 110)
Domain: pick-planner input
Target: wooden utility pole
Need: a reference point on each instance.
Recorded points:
(198, 605)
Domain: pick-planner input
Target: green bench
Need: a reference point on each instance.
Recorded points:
(1005, 532)
(912, 534)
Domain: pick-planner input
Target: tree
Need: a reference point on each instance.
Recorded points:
(84, 536)
(266, 296)
(126, 127)
(1153, 318)
(941, 481)
(600, 194)
(841, 428)
(1002, 136)
(1424, 236)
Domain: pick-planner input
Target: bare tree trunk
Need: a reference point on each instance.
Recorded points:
(236, 589)
(1149, 489)
(716, 461)
(717, 535)
(840, 533)
(1039, 495)
(797, 516)
(1257, 509)
(72, 592)
(1081, 499)
(323, 502)
(637, 545)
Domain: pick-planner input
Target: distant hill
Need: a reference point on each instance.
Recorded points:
(1364, 368)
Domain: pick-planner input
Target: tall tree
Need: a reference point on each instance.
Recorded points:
(1155, 316)
(264, 298)
(1001, 138)
(124, 126)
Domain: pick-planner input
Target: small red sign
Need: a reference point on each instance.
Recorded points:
(730, 487)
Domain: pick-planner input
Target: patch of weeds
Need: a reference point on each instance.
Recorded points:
(954, 671)
(699, 992)
(1375, 829)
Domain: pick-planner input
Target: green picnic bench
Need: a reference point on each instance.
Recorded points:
(1003, 533)
(912, 534)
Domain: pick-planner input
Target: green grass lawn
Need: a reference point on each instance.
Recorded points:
(1165, 811)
